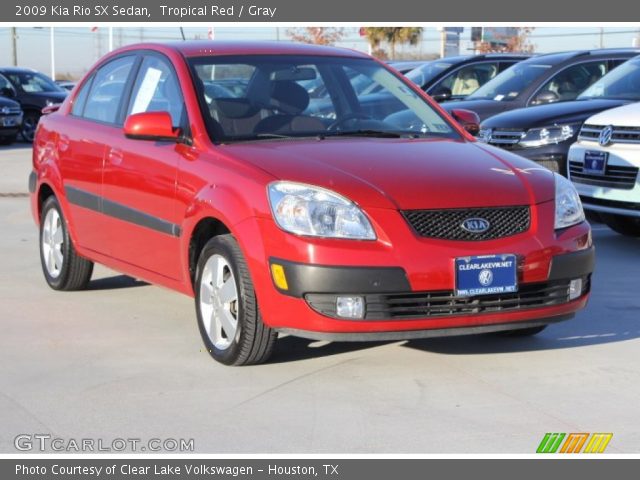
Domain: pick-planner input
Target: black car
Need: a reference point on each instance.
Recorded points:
(552, 78)
(10, 120)
(454, 78)
(545, 133)
(34, 91)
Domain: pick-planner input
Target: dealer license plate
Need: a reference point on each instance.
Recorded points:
(595, 162)
(486, 275)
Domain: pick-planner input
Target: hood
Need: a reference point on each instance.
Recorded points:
(626, 116)
(7, 102)
(484, 108)
(403, 173)
(554, 113)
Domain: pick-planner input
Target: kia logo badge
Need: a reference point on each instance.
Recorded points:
(475, 225)
(605, 135)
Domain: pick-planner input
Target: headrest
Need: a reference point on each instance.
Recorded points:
(235, 107)
(290, 96)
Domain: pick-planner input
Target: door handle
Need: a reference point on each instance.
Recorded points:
(115, 156)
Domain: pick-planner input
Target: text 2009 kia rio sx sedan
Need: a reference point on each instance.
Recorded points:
(334, 227)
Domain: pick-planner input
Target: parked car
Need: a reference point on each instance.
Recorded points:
(454, 78)
(551, 78)
(33, 91)
(10, 120)
(545, 133)
(604, 164)
(278, 221)
(445, 79)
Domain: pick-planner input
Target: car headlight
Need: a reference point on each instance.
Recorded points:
(50, 102)
(484, 135)
(538, 137)
(308, 210)
(568, 205)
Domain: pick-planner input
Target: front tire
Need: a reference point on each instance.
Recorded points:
(629, 226)
(227, 310)
(63, 268)
(29, 125)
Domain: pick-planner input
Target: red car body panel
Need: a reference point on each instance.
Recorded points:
(185, 184)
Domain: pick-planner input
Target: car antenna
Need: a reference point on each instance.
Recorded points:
(182, 33)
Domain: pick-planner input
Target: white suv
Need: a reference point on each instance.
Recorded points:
(604, 163)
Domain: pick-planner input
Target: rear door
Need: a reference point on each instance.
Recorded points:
(83, 137)
(140, 176)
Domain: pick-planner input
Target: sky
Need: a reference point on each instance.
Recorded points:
(77, 48)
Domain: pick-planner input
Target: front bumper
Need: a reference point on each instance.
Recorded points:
(401, 263)
(553, 157)
(606, 193)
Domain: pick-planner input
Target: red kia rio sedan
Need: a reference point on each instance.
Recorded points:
(208, 168)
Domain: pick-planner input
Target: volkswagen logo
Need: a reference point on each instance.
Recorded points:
(485, 278)
(605, 135)
(475, 225)
(5, 110)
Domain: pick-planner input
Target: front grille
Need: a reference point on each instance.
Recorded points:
(505, 138)
(447, 224)
(591, 133)
(399, 306)
(11, 111)
(615, 176)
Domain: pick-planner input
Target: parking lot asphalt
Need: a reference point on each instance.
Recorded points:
(124, 359)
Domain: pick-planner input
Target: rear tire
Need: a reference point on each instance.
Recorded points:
(29, 125)
(226, 307)
(523, 332)
(63, 268)
(629, 226)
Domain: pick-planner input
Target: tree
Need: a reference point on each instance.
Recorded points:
(317, 35)
(392, 36)
(517, 43)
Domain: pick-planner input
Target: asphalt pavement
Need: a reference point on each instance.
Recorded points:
(124, 359)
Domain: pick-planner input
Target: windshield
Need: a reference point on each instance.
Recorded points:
(278, 100)
(425, 73)
(33, 82)
(510, 83)
(623, 83)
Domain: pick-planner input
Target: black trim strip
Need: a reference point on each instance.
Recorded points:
(573, 265)
(304, 278)
(418, 334)
(94, 202)
(33, 180)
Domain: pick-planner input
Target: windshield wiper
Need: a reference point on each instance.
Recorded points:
(362, 133)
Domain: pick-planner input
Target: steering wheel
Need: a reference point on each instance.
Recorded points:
(335, 125)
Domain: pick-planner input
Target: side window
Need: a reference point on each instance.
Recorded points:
(81, 98)
(157, 90)
(467, 80)
(571, 82)
(502, 66)
(107, 90)
(5, 85)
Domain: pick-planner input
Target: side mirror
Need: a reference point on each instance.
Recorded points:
(151, 126)
(442, 94)
(7, 92)
(546, 96)
(467, 119)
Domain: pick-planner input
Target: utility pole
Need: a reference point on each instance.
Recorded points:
(601, 37)
(53, 55)
(14, 46)
(443, 42)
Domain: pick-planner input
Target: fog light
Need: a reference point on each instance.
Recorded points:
(575, 288)
(350, 307)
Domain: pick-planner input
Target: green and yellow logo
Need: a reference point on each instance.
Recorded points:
(573, 442)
